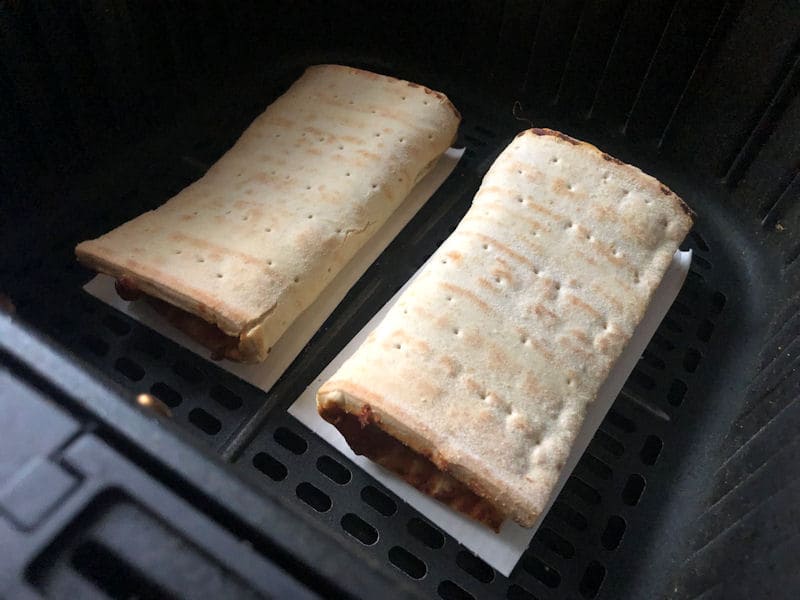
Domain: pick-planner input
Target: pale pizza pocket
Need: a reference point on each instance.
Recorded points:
(237, 256)
(474, 386)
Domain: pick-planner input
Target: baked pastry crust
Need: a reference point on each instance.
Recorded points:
(249, 246)
(486, 364)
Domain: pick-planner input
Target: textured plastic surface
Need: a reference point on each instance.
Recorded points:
(687, 489)
(112, 531)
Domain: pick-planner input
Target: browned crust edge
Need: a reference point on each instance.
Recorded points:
(438, 95)
(364, 435)
(543, 131)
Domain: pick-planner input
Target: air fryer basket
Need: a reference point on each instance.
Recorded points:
(689, 487)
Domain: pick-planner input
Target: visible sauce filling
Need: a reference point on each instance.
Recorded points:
(209, 335)
(368, 439)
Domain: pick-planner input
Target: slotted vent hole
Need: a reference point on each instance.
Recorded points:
(718, 302)
(379, 501)
(540, 570)
(314, 497)
(269, 466)
(451, 591)
(225, 397)
(700, 262)
(204, 421)
(671, 325)
(516, 592)
(425, 533)
(704, 330)
(582, 490)
(642, 379)
(634, 487)
(592, 579)
(596, 466)
(699, 240)
(333, 470)
(94, 344)
(166, 394)
(691, 360)
(407, 562)
(555, 542)
(290, 440)
(187, 372)
(609, 443)
(116, 325)
(474, 566)
(150, 347)
(359, 529)
(129, 368)
(620, 421)
(569, 515)
(612, 534)
(651, 449)
(653, 360)
(676, 393)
